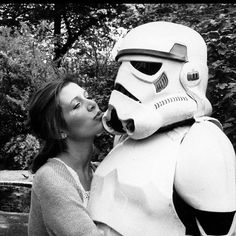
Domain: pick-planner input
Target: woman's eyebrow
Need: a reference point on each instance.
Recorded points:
(78, 97)
(75, 99)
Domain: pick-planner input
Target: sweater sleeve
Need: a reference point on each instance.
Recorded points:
(61, 206)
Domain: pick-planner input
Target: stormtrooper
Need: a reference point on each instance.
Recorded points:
(172, 170)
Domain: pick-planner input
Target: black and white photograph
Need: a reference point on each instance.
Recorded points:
(117, 119)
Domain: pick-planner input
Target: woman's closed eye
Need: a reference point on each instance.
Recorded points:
(77, 105)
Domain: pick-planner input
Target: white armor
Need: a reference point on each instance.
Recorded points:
(132, 189)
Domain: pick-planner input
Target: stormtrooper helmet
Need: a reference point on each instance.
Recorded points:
(162, 80)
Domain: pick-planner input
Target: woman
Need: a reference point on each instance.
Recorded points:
(62, 114)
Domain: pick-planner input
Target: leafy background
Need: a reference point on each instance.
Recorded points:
(40, 41)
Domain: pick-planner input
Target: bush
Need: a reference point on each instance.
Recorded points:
(24, 66)
(25, 63)
(20, 151)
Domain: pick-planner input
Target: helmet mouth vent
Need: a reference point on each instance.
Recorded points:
(129, 125)
(115, 123)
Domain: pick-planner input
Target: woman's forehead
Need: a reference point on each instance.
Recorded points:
(69, 92)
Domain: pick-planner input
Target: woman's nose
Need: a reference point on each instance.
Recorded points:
(91, 105)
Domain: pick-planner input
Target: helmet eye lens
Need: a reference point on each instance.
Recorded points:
(148, 68)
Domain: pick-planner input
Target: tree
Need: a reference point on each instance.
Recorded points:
(70, 20)
(23, 67)
(40, 41)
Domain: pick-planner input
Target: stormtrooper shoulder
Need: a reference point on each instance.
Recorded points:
(205, 171)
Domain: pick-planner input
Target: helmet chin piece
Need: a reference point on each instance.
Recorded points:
(111, 123)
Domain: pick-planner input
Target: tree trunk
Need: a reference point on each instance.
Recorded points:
(58, 9)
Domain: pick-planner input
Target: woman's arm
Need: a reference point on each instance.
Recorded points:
(61, 206)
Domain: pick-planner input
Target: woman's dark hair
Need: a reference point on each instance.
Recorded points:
(46, 120)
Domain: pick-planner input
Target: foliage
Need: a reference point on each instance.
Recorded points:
(26, 64)
(20, 151)
(23, 67)
(70, 20)
(31, 42)
(220, 37)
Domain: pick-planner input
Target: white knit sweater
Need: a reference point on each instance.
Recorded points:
(56, 204)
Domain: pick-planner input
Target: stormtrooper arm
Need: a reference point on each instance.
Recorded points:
(215, 223)
(205, 179)
(203, 223)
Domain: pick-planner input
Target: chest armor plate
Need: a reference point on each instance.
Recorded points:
(133, 186)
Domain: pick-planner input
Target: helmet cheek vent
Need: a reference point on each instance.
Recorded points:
(148, 68)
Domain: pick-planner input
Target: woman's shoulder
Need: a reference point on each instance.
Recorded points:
(50, 173)
(54, 180)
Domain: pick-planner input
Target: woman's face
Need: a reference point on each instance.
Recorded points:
(82, 115)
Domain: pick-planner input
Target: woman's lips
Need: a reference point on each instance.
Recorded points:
(98, 116)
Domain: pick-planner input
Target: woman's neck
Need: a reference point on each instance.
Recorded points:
(78, 155)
